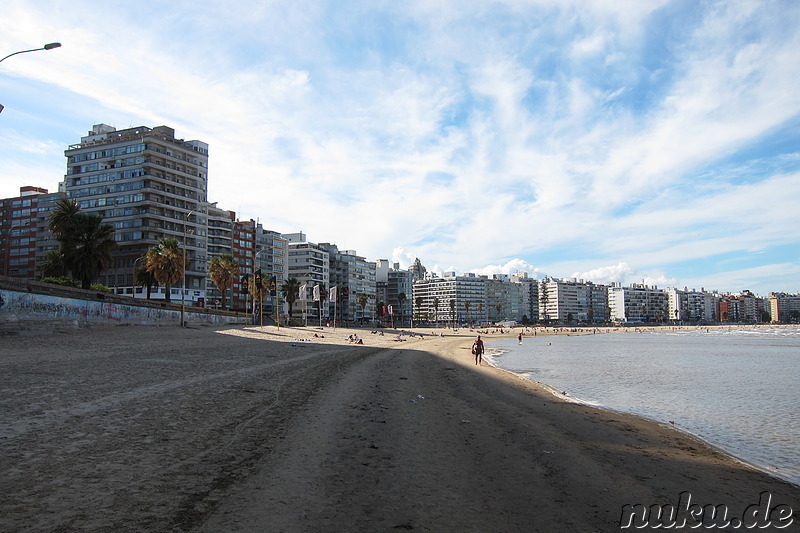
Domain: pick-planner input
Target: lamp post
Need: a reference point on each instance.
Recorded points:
(183, 288)
(48, 46)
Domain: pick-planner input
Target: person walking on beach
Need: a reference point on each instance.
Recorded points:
(477, 349)
(520, 338)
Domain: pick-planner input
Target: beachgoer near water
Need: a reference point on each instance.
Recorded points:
(520, 338)
(477, 350)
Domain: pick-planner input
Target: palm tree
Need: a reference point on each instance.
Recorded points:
(362, 301)
(87, 249)
(165, 261)
(86, 243)
(436, 310)
(452, 312)
(63, 219)
(53, 265)
(466, 308)
(224, 271)
(291, 290)
(144, 278)
(420, 300)
(480, 311)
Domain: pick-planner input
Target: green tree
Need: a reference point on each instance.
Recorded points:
(419, 302)
(291, 291)
(165, 261)
(466, 309)
(63, 219)
(362, 299)
(224, 271)
(86, 243)
(87, 250)
(436, 310)
(53, 265)
(144, 278)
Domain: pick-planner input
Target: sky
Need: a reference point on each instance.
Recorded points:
(624, 141)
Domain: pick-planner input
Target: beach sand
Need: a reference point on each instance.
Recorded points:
(274, 429)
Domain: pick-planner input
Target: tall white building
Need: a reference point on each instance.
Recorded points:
(572, 300)
(433, 294)
(638, 303)
(309, 264)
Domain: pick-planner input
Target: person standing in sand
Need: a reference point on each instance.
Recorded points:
(520, 338)
(477, 350)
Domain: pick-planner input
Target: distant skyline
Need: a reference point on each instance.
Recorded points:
(625, 141)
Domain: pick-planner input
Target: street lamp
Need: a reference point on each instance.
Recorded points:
(183, 289)
(48, 46)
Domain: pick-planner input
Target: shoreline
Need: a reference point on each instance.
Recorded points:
(716, 447)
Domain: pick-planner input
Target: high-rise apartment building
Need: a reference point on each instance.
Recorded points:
(24, 234)
(394, 289)
(638, 303)
(433, 294)
(572, 300)
(352, 275)
(149, 186)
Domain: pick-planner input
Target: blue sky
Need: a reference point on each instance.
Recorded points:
(628, 141)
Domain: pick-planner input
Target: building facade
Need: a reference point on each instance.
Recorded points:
(24, 234)
(148, 185)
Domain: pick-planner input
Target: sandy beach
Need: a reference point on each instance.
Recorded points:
(297, 429)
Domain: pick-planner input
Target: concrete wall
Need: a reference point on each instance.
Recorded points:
(29, 305)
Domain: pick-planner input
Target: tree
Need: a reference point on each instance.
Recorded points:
(144, 278)
(224, 271)
(452, 312)
(87, 249)
(466, 308)
(419, 301)
(165, 261)
(436, 311)
(53, 265)
(362, 299)
(63, 218)
(480, 310)
(291, 291)
(86, 243)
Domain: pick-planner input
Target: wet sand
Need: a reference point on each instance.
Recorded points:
(267, 429)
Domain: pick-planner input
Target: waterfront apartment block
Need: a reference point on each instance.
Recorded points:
(573, 300)
(24, 234)
(451, 299)
(638, 303)
(394, 289)
(309, 264)
(148, 185)
(352, 275)
(784, 307)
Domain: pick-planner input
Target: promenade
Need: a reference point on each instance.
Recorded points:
(297, 429)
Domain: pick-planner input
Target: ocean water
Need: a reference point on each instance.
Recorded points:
(738, 389)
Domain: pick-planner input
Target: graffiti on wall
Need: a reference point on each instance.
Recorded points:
(28, 307)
